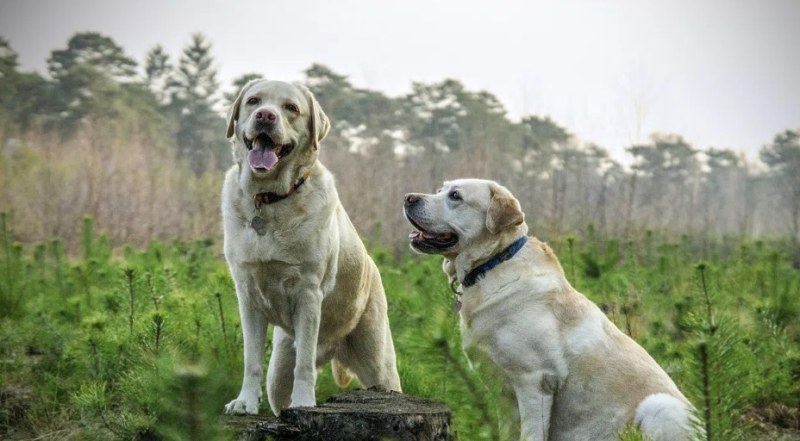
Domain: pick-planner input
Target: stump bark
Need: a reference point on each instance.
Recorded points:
(353, 416)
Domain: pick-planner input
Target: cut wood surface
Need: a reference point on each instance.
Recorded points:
(353, 416)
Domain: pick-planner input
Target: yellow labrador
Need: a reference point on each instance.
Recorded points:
(576, 376)
(295, 258)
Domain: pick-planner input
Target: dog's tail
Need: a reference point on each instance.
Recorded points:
(341, 375)
(664, 417)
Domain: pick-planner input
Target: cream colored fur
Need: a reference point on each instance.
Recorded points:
(575, 375)
(309, 275)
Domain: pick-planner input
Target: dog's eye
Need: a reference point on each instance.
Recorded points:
(253, 100)
(291, 107)
(454, 195)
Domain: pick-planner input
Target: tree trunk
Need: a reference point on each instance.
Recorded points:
(352, 416)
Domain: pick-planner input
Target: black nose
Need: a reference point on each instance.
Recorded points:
(412, 199)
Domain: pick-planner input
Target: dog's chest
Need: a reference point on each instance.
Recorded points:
(287, 233)
(509, 326)
(478, 320)
(246, 246)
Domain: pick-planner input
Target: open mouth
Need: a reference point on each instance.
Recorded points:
(263, 153)
(428, 241)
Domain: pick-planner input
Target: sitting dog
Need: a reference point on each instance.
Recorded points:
(295, 258)
(576, 376)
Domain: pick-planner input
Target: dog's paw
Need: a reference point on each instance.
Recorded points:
(303, 394)
(303, 400)
(304, 403)
(241, 406)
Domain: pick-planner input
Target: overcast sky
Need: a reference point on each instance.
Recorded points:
(721, 73)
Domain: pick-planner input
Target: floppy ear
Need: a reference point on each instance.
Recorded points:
(233, 112)
(504, 210)
(318, 122)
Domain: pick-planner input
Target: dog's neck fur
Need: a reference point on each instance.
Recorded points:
(281, 182)
(457, 266)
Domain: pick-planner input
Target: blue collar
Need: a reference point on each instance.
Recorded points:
(480, 271)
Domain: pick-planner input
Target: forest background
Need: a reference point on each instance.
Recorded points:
(140, 147)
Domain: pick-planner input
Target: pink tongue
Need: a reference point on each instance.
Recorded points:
(262, 158)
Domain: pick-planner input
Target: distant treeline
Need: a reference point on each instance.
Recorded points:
(141, 149)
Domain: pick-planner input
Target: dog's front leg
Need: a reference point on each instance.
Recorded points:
(535, 398)
(306, 331)
(254, 330)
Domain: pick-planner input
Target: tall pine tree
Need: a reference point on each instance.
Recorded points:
(200, 133)
(158, 72)
(20, 93)
(88, 76)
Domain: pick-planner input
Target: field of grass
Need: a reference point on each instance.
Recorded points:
(144, 344)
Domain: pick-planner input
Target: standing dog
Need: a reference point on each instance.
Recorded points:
(295, 258)
(575, 375)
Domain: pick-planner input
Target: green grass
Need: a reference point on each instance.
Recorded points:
(146, 345)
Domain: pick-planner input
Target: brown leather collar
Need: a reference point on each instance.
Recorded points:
(261, 199)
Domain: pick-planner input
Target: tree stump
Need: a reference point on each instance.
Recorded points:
(367, 415)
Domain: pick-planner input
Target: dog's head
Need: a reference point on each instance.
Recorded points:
(464, 214)
(272, 123)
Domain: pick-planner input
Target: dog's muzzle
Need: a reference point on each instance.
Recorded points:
(424, 239)
(263, 152)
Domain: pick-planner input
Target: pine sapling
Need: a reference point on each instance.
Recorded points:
(720, 361)
(222, 319)
(158, 331)
(153, 293)
(95, 357)
(571, 246)
(704, 372)
(701, 269)
(129, 276)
